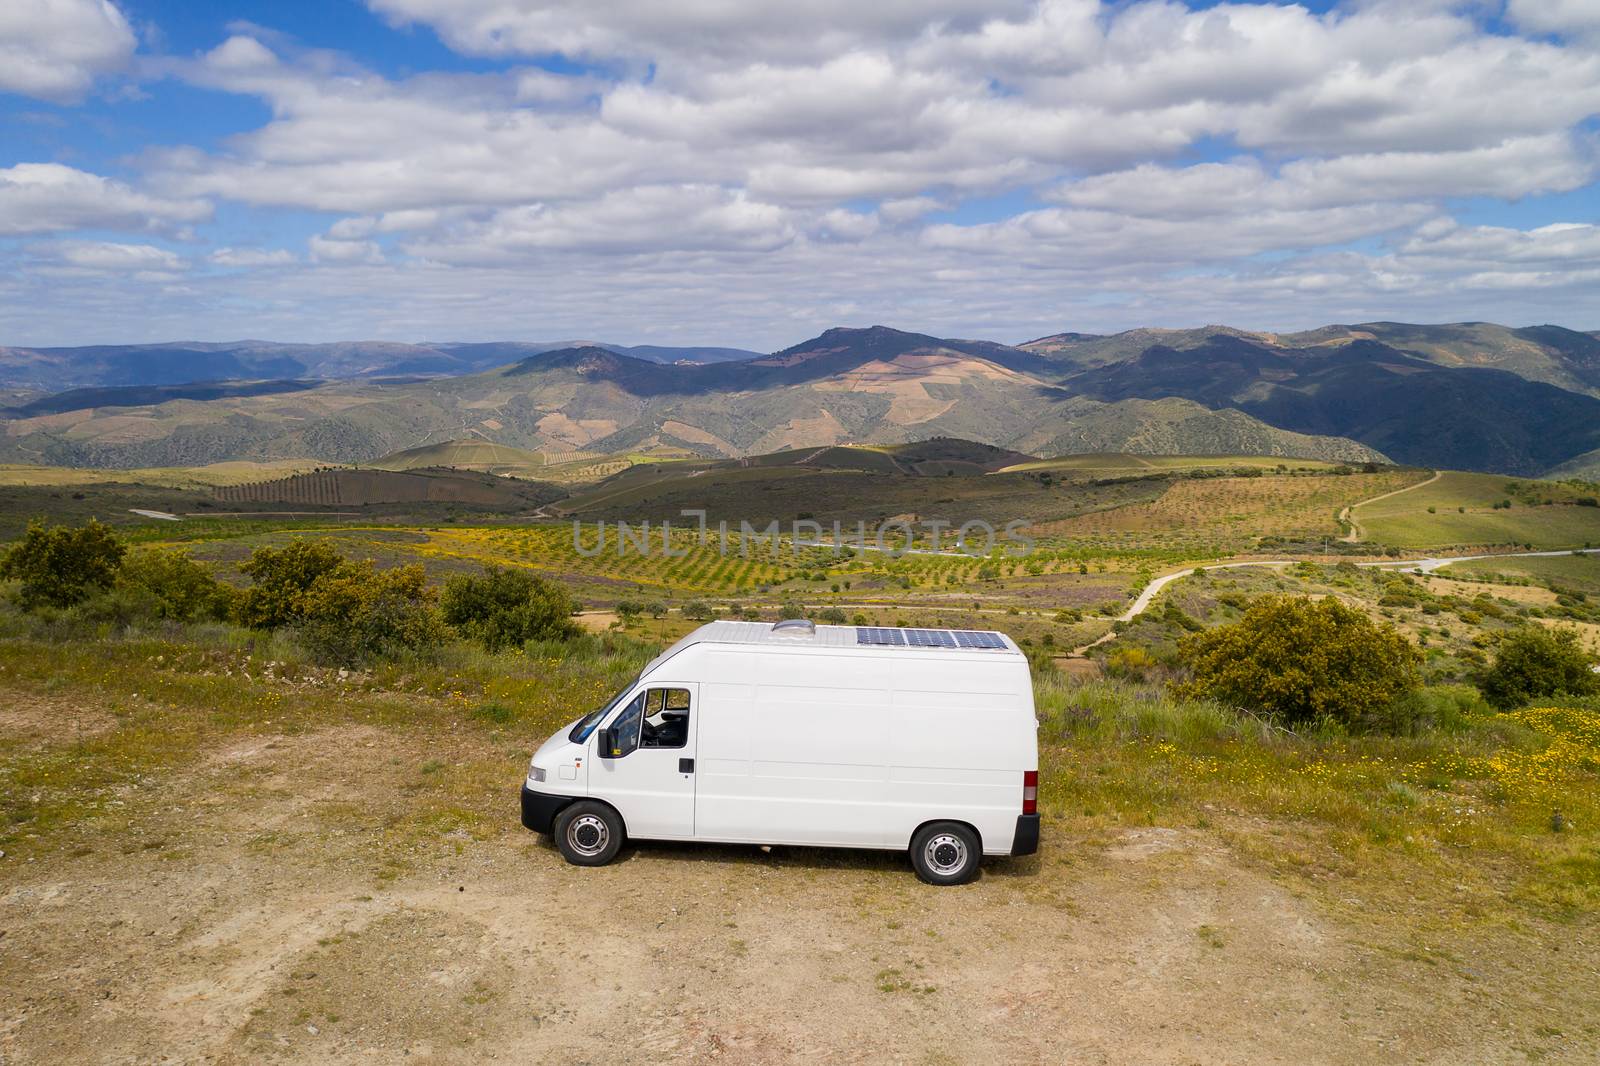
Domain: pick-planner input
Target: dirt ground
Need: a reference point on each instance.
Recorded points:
(315, 898)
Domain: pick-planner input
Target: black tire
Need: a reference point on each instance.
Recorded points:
(946, 853)
(588, 833)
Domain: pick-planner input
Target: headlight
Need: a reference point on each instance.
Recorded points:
(535, 774)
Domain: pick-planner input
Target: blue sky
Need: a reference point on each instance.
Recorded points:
(750, 174)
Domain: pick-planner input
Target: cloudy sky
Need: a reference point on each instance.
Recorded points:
(746, 173)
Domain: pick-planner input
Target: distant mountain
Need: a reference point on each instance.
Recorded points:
(148, 395)
(1557, 356)
(874, 385)
(184, 362)
(658, 354)
(1409, 404)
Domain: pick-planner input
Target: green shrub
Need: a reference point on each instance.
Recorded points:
(358, 613)
(60, 566)
(698, 611)
(1129, 664)
(506, 608)
(282, 579)
(832, 615)
(1300, 661)
(175, 586)
(1533, 662)
(1436, 708)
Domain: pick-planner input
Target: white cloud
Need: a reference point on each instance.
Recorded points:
(1509, 170)
(54, 49)
(849, 225)
(642, 29)
(110, 257)
(781, 163)
(683, 218)
(49, 197)
(1060, 237)
(1575, 17)
(333, 250)
(251, 257)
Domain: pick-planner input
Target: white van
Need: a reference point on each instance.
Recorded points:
(794, 733)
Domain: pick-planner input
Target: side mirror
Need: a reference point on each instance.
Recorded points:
(606, 744)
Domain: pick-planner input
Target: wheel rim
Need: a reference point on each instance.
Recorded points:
(945, 854)
(588, 834)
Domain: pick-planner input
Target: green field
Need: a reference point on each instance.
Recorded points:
(1543, 514)
(1580, 572)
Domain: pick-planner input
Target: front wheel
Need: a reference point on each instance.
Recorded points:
(588, 833)
(945, 853)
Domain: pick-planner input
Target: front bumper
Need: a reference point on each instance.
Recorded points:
(1026, 842)
(539, 810)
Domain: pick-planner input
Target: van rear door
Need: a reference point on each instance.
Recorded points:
(649, 775)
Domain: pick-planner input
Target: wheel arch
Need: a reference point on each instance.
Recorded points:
(598, 802)
(946, 821)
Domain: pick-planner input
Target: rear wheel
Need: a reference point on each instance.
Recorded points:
(588, 833)
(946, 853)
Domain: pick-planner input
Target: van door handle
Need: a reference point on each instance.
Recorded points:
(685, 766)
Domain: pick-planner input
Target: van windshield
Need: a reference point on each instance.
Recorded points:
(585, 725)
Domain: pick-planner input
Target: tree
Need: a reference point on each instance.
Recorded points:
(1533, 662)
(174, 585)
(61, 566)
(1300, 660)
(282, 577)
(504, 607)
(356, 613)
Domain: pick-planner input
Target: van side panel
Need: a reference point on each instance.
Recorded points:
(961, 733)
(793, 748)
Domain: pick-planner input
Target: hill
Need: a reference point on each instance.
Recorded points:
(480, 455)
(336, 488)
(874, 385)
(183, 362)
(1478, 396)
(1410, 408)
(1551, 354)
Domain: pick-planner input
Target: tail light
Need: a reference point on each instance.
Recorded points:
(1030, 792)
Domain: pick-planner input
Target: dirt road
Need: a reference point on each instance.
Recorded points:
(1348, 514)
(365, 895)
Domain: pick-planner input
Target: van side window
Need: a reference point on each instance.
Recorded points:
(666, 718)
(625, 730)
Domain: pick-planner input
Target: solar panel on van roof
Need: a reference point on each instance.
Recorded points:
(929, 638)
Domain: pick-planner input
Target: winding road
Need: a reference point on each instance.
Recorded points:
(1406, 566)
(1348, 515)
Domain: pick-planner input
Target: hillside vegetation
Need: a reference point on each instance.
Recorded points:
(1463, 510)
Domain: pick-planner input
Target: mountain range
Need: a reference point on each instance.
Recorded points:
(182, 362)
(1469, 396)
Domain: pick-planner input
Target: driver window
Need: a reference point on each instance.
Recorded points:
(625, 730)
(666, 718)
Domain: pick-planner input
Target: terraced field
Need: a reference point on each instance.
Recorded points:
(1459, 511)
(1214, 516)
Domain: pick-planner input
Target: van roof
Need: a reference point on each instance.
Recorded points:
(881, 639)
